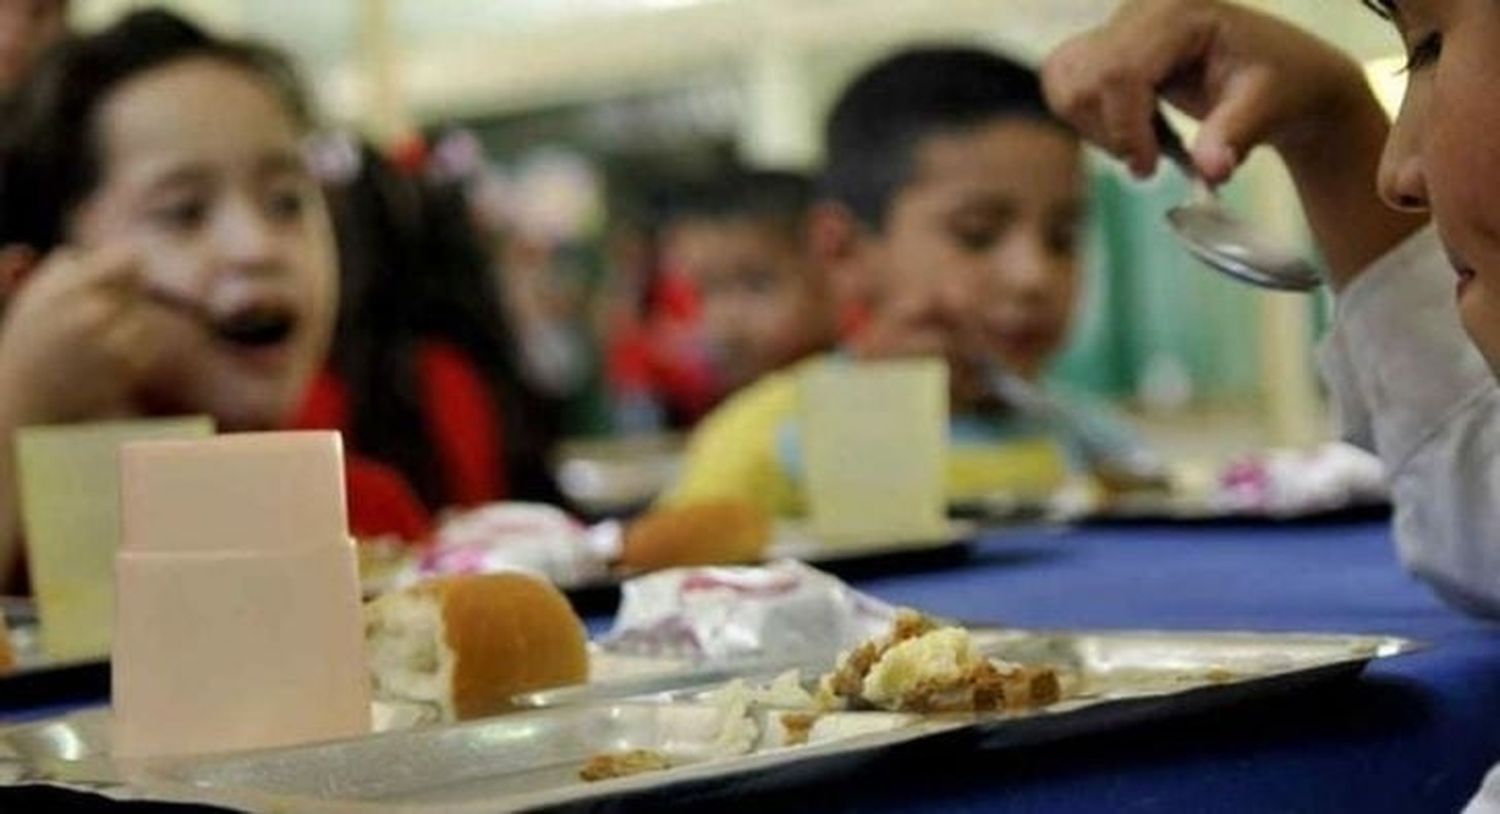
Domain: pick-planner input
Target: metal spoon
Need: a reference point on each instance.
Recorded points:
(1221, 239)
(1122, 469)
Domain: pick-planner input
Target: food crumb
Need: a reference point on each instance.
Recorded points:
(623, 764)
(798, 726)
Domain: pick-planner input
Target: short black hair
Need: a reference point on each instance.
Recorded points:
(779, 197)
(48, 147)
(884, 115)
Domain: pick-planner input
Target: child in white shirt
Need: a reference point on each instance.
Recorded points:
(1408, 383)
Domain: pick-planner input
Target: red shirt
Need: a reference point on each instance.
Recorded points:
(380, 503)
(463, 422)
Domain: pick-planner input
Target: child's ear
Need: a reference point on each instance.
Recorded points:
(16, 263)
(836, 240)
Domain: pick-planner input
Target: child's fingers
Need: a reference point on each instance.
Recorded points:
(1072, 89)
(116, 266)
(1125, 120)
(132, 343)
(1235, 125)
(1105, 82)
(70, 271)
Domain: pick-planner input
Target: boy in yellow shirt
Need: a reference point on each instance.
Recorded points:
(950, 213)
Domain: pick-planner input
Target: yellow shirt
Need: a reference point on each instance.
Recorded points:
(746, 448)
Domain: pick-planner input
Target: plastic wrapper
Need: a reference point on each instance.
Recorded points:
(785, 612)
(1294, 482)
(530, 537)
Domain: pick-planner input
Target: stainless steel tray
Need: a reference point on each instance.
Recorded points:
(532, 758)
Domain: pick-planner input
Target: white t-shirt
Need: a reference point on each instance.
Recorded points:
(1411, 387)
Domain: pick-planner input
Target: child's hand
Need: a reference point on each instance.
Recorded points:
(78, 337)
(1249, 77)
(1252, 79)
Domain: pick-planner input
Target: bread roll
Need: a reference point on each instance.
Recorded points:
(717, 532)
(466, 644)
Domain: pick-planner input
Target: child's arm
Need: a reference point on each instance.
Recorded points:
(74, 341)
(1252, 79)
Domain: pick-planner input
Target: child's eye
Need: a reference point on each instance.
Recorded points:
(182, 215)
(976, 238)
(287, 204)
(1062, 239)
(758, 281)
(1424, 53)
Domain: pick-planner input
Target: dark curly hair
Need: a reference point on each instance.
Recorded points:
(49, 160)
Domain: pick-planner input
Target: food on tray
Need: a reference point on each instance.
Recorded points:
(466, 644)
(623, 764)
(714, 532)
(798, 726)
(921, 666)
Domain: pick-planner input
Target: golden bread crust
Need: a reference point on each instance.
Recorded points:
(509, 633)
(714, 532)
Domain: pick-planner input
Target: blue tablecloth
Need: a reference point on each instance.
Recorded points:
(1415, 733)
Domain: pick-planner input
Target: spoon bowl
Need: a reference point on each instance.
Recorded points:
(1223, 240)
(1216, 236)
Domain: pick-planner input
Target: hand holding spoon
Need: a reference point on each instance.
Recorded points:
(1222, 239)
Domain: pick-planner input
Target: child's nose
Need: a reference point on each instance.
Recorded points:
(1402, 179)
(1023, 266)
(246, 236)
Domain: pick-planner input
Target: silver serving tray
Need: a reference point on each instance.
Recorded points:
(532, 758)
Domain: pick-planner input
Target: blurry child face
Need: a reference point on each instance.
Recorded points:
(201, 172)
(986, 232)
(27, 27)
(1443, 153)
(764, 306)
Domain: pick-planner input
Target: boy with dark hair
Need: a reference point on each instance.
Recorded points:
(741, 240)
(949, 220)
